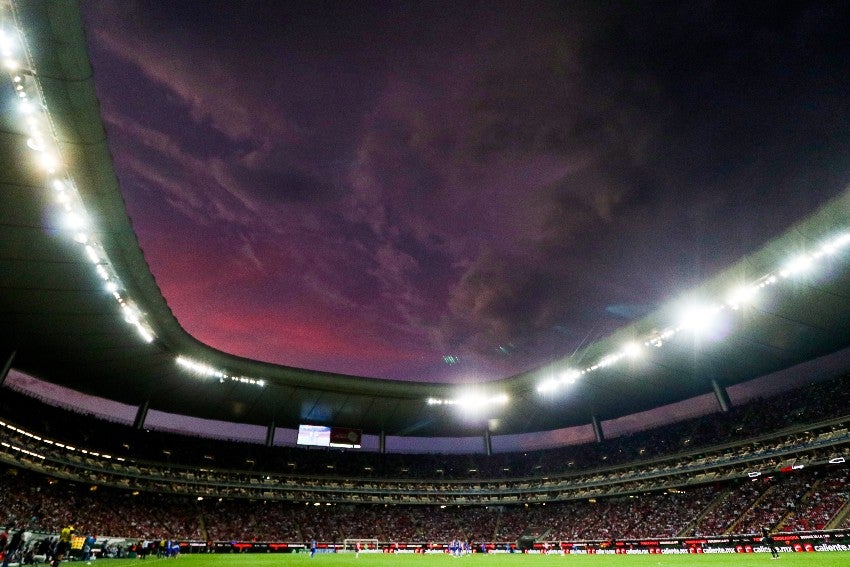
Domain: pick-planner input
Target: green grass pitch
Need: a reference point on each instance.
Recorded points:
(821, 559)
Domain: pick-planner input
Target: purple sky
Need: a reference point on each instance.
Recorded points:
(368, 187)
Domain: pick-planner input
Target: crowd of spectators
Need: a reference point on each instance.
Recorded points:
(737, 500)
(776, 503)
(685, 478)
(820, 504)
(45, 504)
(809, 445)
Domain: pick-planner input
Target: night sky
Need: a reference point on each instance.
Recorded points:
(459, 191)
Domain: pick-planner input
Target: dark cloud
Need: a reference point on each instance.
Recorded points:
(387, 184)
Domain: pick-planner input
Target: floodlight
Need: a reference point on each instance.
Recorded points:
(48, 161)
(7, 43)
(632, 349)
(608, 360)
(799, 264)
(130, 314)
(74, 221)
(698, 318)
(741, 296)
(92, 254)
(145, 334)
(570, 376)
(36, 144)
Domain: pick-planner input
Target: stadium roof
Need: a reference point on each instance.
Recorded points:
(66, 327)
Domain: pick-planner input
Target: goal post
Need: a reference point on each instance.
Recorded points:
(366, 544)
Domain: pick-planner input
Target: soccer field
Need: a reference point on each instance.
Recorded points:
(823, 559)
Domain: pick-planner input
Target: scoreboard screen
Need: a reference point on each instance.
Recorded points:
(327, 436)
(318, 435)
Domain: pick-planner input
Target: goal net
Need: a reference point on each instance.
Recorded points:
(366, 544)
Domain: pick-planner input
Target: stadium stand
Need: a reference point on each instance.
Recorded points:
(725, 473)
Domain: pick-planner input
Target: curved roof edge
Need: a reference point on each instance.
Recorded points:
(790, 332)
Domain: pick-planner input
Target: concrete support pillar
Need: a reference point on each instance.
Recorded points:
(382, 442)
(722, 396)
(597, 428)
(7, 366)
(270, 434)
(488, 443)
(141, 415)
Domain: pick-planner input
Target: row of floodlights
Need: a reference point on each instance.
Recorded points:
(471, 400)
(699, 318)
(43, 144)
(46, 441)
(207, 371)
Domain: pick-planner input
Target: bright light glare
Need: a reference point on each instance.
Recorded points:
(130, 315)
(499, 399)
(698, 318)
(198, 367)
(471, 400)
(92, 254)
(742, 296)
(570, 376)
(832, 246)
(48, 162)
(632, 350)
(797, 265)
(146, 336)
(7, 43)
(74, 221)
(209, 371)
(36, 144)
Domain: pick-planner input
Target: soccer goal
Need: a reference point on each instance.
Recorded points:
(366, 544)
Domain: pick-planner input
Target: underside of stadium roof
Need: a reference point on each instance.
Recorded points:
(59, 323)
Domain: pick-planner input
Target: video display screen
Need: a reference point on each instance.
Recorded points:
(327, 436)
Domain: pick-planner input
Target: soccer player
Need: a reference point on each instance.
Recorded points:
(767, 540)
(312, 548)
(63, 546)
